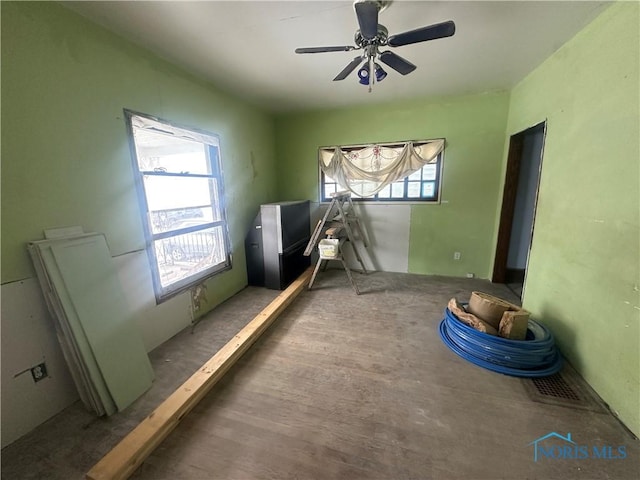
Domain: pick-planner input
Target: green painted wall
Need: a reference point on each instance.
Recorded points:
(65, 156)
(65, 161)
(474, 127)
(584, 270)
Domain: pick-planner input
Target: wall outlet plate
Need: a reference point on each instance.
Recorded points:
(456, 255)
(39, 372)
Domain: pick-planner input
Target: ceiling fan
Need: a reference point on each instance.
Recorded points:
(372, 36)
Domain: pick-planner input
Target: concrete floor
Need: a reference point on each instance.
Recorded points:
(341, 386)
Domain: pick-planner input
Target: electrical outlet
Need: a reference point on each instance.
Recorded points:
(39, 372)
(456, 256)
(470, 275)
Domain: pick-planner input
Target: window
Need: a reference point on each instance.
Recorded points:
(180, 190)
(422, 185)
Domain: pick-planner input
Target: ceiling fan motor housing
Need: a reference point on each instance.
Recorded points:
(379, 39)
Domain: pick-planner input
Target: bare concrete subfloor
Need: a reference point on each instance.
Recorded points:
(340, 387)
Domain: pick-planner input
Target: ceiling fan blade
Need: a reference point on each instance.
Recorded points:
(432, 32)
(343, 48)
(396, 62)
(367, 13)
(348, 69)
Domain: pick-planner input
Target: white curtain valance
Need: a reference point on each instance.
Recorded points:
(367, 170)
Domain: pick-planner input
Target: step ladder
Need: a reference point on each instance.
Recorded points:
(338, 223)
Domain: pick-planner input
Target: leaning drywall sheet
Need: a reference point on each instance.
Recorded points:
(75, 346)
(90, 278)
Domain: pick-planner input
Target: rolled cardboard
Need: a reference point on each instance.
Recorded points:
(470, 319)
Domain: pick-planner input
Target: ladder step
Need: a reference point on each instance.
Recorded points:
(333, 231)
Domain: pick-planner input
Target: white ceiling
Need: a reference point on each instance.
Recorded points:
(247, 47)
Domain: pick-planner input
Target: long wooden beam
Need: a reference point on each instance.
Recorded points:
(129, 454)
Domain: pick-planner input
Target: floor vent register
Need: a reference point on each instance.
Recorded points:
(565, 388)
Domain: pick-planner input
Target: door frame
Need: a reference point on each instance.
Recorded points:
(509, 193)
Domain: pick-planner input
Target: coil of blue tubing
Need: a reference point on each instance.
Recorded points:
(535, 356)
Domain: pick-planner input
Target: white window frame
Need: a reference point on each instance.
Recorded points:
(211, 145)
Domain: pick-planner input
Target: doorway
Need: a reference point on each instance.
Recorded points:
(520, 195)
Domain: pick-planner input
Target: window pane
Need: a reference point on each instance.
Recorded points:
(413, 190)
(416, 175)
(428, 188)
(166, 220)
(397, 190)
(167, 192)
(165, 153)
(358, 188)
(429, 171)
(186, 255)
(385, 192)
(329, 188)
(329, 180)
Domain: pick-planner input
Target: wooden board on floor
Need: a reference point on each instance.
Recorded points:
(127, 455)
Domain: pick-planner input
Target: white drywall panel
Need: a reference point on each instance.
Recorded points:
(76, 349)
(90, 278)
(29, 338)
(387, 230)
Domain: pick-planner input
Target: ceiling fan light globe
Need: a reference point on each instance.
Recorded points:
(363, 74)
(380, 73)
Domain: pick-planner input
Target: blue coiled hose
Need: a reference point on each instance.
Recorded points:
(536, 356)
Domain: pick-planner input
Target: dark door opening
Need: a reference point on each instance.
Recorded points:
(522, 178)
